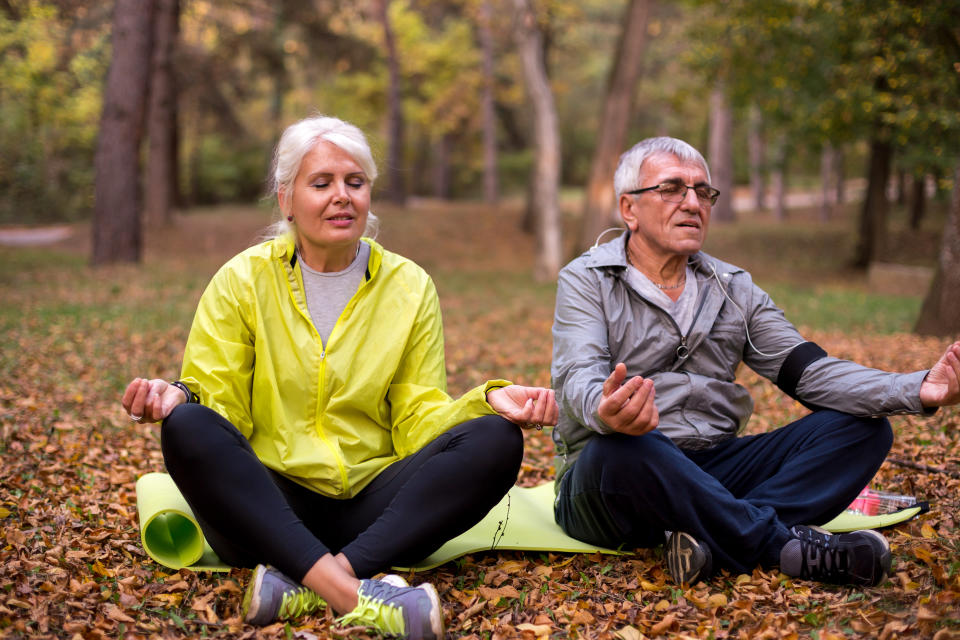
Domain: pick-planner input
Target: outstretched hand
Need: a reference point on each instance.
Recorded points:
(525, 406)
(627, 406)
(151, 400)
(941, 386)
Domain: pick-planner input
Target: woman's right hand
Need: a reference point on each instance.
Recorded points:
(151, 400)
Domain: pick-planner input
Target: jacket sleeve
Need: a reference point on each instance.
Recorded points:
(420, 409)
(581, 351)
(219, 356)
(805, 371)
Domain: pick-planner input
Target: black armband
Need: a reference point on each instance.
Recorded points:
(795, 364)
(191, 396)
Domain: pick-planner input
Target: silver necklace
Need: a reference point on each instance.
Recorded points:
(662, 287)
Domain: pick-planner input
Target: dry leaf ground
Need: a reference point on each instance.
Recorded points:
(71, 565)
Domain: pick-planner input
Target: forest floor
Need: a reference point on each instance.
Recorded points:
(71, 563)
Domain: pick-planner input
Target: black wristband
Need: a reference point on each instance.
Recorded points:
(191, 396)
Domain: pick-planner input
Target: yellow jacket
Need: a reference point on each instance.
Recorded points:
(331, 417)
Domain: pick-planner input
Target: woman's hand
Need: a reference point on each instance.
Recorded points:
(525, 406)
(151, 400)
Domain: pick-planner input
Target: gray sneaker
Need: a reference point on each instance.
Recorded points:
(687, 559)
(859, 557)
(406, 612)
(273, 596)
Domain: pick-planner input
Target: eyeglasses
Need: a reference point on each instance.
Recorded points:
(677, 191)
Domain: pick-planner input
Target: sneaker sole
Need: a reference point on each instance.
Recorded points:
(251, 599)
(436, 611)
(682, 546)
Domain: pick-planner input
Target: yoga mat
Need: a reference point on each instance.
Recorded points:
(168, 531)
(522, 521)
(850, 521)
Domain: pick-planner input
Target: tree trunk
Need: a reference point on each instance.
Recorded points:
(940, 314)
(161, 189)
(778, 179)
(873, 217)
(901, 187)
(721, 152)
(278, 73)
(117, 194)
(600, 207)
(918, 200)
(491, 182)
(441, 168)
(755, 151)
(839, 162)
(828, 174)
(396, 191)
(546, 135)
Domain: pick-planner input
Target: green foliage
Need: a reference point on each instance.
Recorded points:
(228, 170)
(50, 75)
(842, 70)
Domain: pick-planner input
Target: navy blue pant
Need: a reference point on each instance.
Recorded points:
(740, 498)
(250, 514)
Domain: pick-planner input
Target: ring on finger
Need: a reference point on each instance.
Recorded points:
(136, 418)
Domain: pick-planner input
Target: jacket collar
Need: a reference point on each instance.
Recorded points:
(285, 246)
(614, 254)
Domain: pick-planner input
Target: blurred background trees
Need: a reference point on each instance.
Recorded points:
(854, 102)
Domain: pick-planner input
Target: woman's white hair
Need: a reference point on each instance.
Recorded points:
(297, 140)
(627, 176)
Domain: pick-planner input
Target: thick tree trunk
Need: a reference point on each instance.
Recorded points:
(117, 194)
(755, 151)
(491, 182)
(600, 207)
(721, 152)
(873, 217)
(828, 174)
(396, 191)
(546, 135)
(940, 314)
(161, 189)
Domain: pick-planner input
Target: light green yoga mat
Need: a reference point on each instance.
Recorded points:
(522, 521)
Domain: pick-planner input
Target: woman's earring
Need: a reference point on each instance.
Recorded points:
(289, 218)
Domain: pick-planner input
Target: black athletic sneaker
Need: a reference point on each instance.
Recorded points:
(687, 559)
(859, 557)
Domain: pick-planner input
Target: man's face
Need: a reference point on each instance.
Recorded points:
(666, 229)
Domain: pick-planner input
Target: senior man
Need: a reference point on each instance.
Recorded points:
(648, 334)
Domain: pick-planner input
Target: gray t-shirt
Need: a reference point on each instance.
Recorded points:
(682, 309)
(328, 293)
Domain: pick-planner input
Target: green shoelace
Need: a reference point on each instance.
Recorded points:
(385, 617)
(300, 602)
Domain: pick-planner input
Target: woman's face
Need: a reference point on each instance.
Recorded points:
(329, 201)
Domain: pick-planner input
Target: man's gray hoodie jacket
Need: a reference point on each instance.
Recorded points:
(601, 320)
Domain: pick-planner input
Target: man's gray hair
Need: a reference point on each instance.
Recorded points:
(627, 176)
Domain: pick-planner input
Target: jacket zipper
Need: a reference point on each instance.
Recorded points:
(682, 350)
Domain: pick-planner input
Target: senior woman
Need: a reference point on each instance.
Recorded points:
(310, 431)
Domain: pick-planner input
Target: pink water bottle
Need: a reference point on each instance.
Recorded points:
(872, 502)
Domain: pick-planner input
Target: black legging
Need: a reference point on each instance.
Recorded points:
(251, 514)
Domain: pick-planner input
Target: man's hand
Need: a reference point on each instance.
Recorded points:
(941, 387)
(628, 406)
